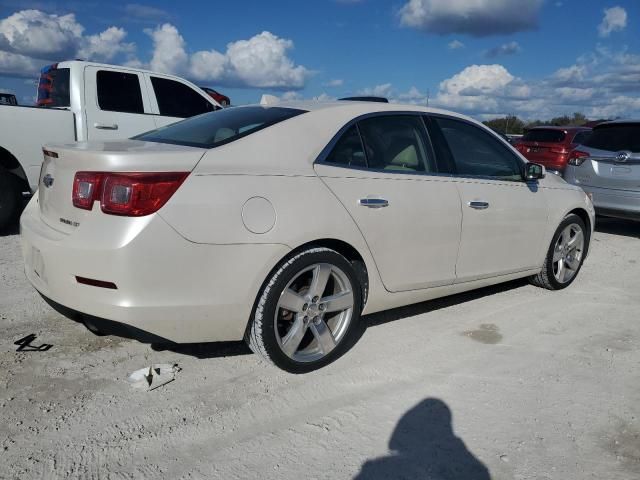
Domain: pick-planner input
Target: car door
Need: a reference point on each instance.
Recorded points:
(175, 100)
(117, 103)
(382, 169)
(504, 218)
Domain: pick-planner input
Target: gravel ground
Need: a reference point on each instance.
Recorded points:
(511, 382)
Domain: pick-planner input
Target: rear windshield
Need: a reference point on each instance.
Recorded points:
(616, 137)
(544, 135)
(217, 128)
(53, 87)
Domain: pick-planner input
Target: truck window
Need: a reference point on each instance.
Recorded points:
(176, 99)
(119, 92)
(53, 87)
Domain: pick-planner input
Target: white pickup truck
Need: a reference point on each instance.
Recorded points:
(83, 101)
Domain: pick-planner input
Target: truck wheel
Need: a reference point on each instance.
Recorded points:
(10, 198)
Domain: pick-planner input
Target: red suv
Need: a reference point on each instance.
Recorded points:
(550, 146)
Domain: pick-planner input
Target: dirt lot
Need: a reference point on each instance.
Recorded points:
(508, 382)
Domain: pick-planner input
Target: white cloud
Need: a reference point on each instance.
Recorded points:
(106, 45)
(145, 12)
(30, 39)
(14, 65)
(338, 82)
(260, 61)
(615, 19)
(474, 17)
(383, 90)
(510, 48)
(455, 44)
(37, 34)
(169, 55)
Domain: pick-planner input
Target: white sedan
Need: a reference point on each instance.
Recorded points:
(284, 224)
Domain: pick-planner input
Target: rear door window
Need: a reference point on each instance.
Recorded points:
(396, 143)
(218, 128)
(545, 135)
(348, 151)
(616, 137)
(581, 137)
(477, 153)
(176, 99)
(119, 92)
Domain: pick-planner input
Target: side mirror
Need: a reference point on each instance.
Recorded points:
(534, 171)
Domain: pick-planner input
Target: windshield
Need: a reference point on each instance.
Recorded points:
(220, 127)
(616, 137)
(544, 135)
(53, 87)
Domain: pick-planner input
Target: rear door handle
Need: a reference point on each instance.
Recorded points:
(102, 126)
(478, 205)
(373, 202)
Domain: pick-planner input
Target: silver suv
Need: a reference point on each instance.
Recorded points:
(607, 167)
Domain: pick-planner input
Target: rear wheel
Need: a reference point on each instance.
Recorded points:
(565, 255)
(308, 314)
(10, 198)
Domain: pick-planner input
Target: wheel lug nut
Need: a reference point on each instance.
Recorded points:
(304, 307)
(315, 299)
(305, 319)
(322, 306)
(316, 320)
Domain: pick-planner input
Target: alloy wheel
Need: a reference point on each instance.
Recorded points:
(567, 253)
(314, 312)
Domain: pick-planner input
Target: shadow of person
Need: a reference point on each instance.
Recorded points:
(425, 448)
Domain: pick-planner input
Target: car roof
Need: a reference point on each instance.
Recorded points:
(560, 127)
(357, 108)
(617, 122)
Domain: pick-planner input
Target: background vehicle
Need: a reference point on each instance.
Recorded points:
(8, 99)
(350, 207)
(217, 96)
(550, 146)
(86, 101)
(607, 166)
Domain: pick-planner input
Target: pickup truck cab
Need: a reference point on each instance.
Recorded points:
(86, 101)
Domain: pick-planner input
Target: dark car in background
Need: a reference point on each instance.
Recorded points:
(551, 146)
(607, 167)
(217, 96)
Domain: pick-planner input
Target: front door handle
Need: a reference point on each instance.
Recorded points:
(102, 126)
(373, 202)
(478, 205)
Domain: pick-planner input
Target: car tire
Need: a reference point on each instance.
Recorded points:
(565, 255)
(323, 294)
(10, 198)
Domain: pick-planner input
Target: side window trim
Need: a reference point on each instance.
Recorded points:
(326, 151)
(444, 145)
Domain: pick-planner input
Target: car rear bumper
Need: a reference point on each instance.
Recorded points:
(167, 287)
(614, 203)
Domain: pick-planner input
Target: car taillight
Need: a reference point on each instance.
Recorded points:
(86, 189)
(577, 158)
(127, 194)
(560, 150)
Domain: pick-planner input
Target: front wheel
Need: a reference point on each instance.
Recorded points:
(565, 255)
(308, 314)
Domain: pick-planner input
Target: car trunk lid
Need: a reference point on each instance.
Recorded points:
(617, 170)
(61, 163)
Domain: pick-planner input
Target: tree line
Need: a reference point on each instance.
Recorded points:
(513, 125)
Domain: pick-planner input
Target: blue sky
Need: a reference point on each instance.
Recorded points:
(533, 58)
